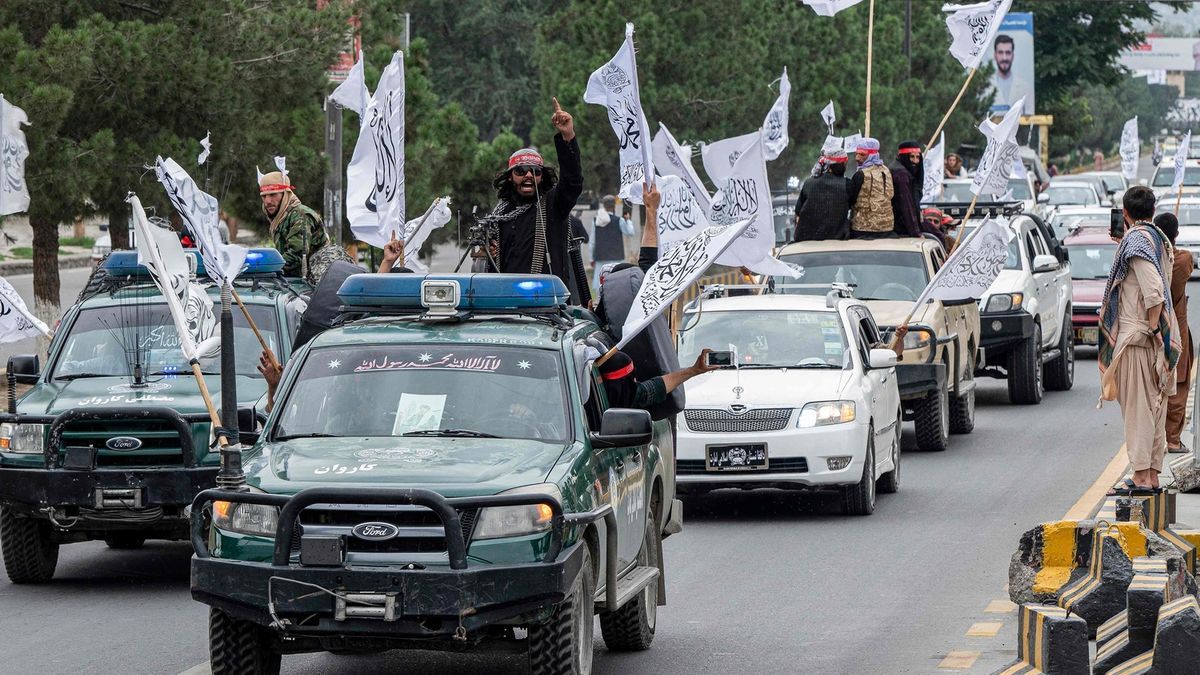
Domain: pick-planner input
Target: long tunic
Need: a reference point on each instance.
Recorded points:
(1181, 271)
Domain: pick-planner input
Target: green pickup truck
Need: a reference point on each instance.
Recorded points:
(112, 440)
(441, 471)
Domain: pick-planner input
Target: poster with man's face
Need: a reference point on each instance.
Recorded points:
(1011, 54)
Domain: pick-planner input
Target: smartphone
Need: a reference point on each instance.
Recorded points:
(719, 359)
(1116, 223)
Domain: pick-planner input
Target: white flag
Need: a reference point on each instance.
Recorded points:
(972, 28)
(935, 171)
(281, 164)
(775, 126)
(16, 321)
(830, 7)
(14, 193)
(1181, 154)
(829, 117)
(673, 159)
(352, 92)
(674, 272)
(205, 143)
(746, 195)
(973, 265)
(375, 178)
(258, 174)
(417, 230)
(1129, 149)
(615, 86)
(720, 156)
(199, 210)
(680, 215)
(996, 165)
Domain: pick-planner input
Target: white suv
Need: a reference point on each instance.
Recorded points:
(812, 402)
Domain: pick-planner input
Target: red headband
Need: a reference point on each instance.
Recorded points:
(909, 151)
(619, 373)
(274, 188)
(835, 160)
(527, 158)
(868, 151)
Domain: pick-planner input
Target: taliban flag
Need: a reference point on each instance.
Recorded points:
(935, 171)
(352, 92)
(680, 215)
(972, 28)
(375, 176)
(972, 267)
(14, 193)
(416, 231)
(16, 321)
(222, 262)
(745, 195)
(996, 165)
(830, 7)
(1181, 155)
(674, 272)
(1129, 149)
(775, 126)
(828, 116)
(615, 86)
(720, 156)
(673, 159)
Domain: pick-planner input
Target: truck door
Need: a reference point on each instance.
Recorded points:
(621, 476)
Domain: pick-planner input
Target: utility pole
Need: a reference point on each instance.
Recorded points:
(908, 34)
(333, 172)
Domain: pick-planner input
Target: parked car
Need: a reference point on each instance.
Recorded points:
(811, 401)
(1092, 251)
(1070, 193)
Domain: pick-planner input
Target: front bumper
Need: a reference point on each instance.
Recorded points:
(1001, 331)
(918, 380)
(1086, 324)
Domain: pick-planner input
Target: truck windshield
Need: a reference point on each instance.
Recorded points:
(769, 338)
(880, 275)
(452, 390)
(111, 341)
(1165, 176)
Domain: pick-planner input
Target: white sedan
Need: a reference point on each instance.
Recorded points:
(812, 402)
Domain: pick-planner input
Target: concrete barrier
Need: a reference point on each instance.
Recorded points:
(1050, 641)
(1131, 632)
(1157, 513)
(1099, 595)
(1176, 649)
(1185, 472)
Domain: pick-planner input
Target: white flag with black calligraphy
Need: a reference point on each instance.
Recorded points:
(206, 148)
(14, 193)
(996, 165)
(972, 28)
(973, 266)
(775, 126)
(1181, 155)
(935, 171)
(830, 7)
(719, 157)
(417, 230)
(16, 321)
(615, 86)
(222, 262)
(680, 215)
(829, 117)
(352, 93)
(745, 195)
(673, 159)
(1129, 149)
(375, 177)
(674, 272)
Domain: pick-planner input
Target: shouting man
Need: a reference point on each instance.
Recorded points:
(295, 228)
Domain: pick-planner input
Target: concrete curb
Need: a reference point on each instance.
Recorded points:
(12, 267)
(1176, 647)
(1049, 641)
(1131, 632)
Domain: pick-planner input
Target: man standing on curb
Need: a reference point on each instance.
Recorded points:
(1181, 271)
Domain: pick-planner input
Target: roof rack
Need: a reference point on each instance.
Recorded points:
(957, 210)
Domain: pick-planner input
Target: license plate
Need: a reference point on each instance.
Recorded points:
(1087, 336)
(743, 457)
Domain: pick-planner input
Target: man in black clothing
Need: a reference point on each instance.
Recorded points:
(823, 208)
(908, 175)
(531, 221)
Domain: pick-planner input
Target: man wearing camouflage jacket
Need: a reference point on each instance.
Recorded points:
(295, 228)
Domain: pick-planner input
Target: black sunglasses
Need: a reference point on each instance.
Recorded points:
(521, 171)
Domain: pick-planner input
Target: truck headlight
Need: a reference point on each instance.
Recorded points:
(256, 519)
(824, 413)
(513, 521)
(27, 439)
(1004, 302)
(918, 339)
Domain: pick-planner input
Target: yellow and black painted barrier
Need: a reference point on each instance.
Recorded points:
(1099, 594)
(1049, 641)
(1131, 632)
(1055, 555)
(1157, 514)
(1176, 647)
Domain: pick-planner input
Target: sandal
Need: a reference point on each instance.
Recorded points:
(1180, 450)
(1128, 488)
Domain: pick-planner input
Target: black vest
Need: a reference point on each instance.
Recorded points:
(607, 244)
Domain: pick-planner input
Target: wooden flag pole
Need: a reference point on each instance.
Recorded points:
(870, 50)
(954, 105)
(261, 340)
(212, 410)
(606, 356)
(1178, 197)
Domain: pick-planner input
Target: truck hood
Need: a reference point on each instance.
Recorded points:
(1087, 291)
(178, 393)
(766, 388)
(450, 466)
(889, 313)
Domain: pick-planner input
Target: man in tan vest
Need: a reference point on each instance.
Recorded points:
(871, 191)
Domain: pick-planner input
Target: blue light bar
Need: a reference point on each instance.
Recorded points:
(480, 291)
(263, 261)
(258, 261)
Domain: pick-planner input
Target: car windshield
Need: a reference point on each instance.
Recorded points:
(1165, 176)
(956, 192)
(768, 338)
(1019, 187)
(1064, 223)
(394, 390)
(1113, 183)
(113, 340)
(879, 275)
(1188, 215)
(1091, 261)
(1061, 195)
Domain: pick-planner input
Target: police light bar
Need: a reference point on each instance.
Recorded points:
(258, 261)
(464, 292)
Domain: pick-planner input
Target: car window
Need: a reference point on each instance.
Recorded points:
(1039, 243)
(1091, 261)
(767, 337)
(877, 275)
(1030, 247)
(1165, 176)
(597, 401)
(956, 192)
(1072, 195)
(1019, 187)
(938, 259)
(1188, 215)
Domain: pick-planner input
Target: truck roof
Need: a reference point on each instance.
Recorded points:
(920, 244)
(768, 301)
(495, 330)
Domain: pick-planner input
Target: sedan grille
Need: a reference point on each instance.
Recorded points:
(779, 465)
(714, 420)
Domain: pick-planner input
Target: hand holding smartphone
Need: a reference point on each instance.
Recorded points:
(1116, 223)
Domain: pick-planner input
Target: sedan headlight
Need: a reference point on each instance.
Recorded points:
(256, 519)
(1005, 302)
(918, 339)
(23, 438)
(824, 413)
(513, 521)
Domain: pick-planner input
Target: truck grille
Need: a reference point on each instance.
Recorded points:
(420, 529)
(160, 441)
(714, 420)
(774, 465)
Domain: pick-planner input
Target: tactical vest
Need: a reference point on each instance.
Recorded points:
(873, 209)
(608, 244)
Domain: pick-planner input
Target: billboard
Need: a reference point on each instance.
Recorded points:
(1011, 54)
(1163, 53)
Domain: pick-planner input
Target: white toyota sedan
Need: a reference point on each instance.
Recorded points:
(812, 402)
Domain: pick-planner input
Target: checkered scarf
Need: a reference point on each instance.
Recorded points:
(1146, 241)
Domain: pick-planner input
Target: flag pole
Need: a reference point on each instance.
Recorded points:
(962, 225)
(870, 52)
(606, 356)
(261, 340)
(916, 306)
(1178, 197)
(952, 107)
(212, 410)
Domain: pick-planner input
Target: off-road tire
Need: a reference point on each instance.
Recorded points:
(555, 646)
(631, 628)
(889, 483)
(29, 555)
(238, 647)
(1025, 385)
(124, 541)
(1060, 373)
(859, 499)
(931, 420)
(962, 408)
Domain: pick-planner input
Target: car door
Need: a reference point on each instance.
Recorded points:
(1046, 284)
(620, 473)
(887, 393)
(956, 323)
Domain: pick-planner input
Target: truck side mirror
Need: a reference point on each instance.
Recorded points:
(1044, 263)
(624, 427)
(24, 368)
(882, 358)
(1043, 198)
